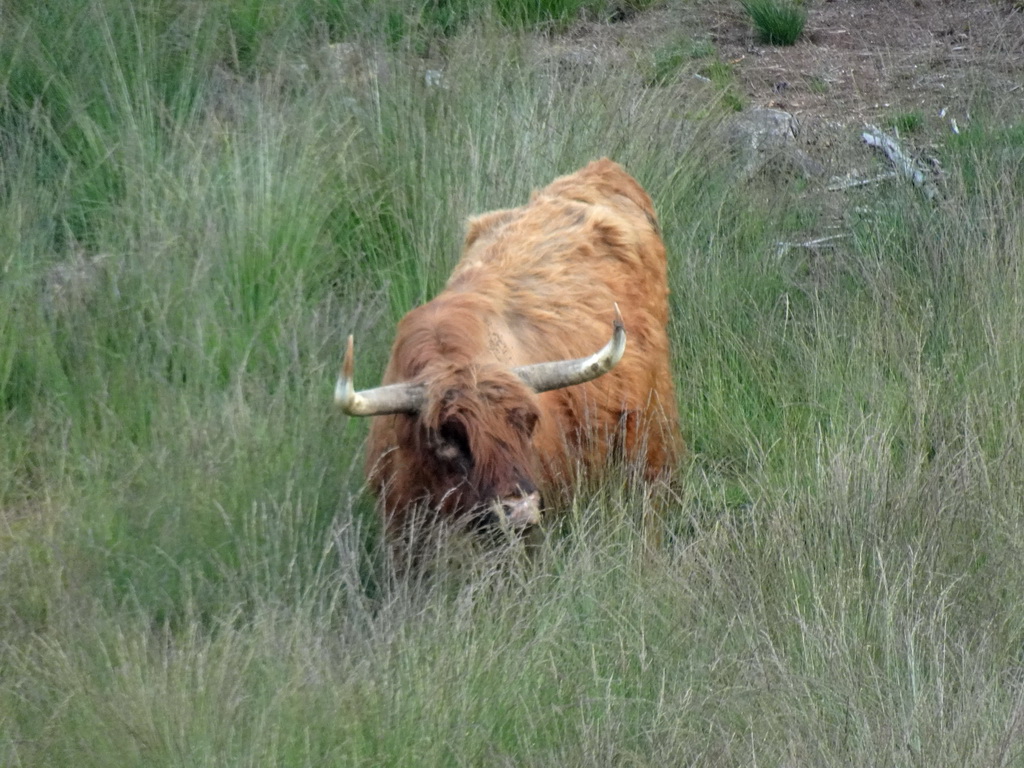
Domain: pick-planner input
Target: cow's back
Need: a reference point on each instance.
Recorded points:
(553, 269)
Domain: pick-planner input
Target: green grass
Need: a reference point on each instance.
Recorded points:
(670, 58)
(721, 75)
(191, 570)
(818, 84)
(907, 122)
(778, 22)
(528, 13)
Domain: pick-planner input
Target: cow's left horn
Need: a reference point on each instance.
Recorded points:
(542, 377)
(391, 398)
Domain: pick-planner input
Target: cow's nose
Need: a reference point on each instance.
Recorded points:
(521, 511)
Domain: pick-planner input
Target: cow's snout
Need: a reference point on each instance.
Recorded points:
(520, 511)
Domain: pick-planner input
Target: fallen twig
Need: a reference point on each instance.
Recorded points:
(875, 137)
(784, 246)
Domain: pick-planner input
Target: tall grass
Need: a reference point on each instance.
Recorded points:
(190, 567)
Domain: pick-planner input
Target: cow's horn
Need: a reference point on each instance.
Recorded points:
(542, 377)
(392, 398)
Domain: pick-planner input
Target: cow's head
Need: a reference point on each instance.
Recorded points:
(471, 427)
(473, 436)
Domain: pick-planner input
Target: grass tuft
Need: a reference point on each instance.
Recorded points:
(907, 122)
(778, 22)
(669, 59)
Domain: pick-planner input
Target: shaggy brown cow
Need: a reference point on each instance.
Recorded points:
(473, 421)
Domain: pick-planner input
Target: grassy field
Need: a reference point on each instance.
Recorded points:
(198, 202)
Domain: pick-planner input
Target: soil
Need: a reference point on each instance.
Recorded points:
(925, 62)
(863, 60)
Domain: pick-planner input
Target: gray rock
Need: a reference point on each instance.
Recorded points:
(766, 139)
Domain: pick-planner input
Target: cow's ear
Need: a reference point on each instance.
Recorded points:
(524, 419)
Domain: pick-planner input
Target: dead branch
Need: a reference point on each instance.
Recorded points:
(904, 164)
(783, 247)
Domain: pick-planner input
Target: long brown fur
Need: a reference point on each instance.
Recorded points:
(535, 283)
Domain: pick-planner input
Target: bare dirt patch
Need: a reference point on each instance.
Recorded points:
(858, 62)
(862, 61)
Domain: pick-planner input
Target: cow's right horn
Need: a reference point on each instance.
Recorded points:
(542, 377)
(391, 398)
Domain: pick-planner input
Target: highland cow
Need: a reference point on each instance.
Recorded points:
(494, 399)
